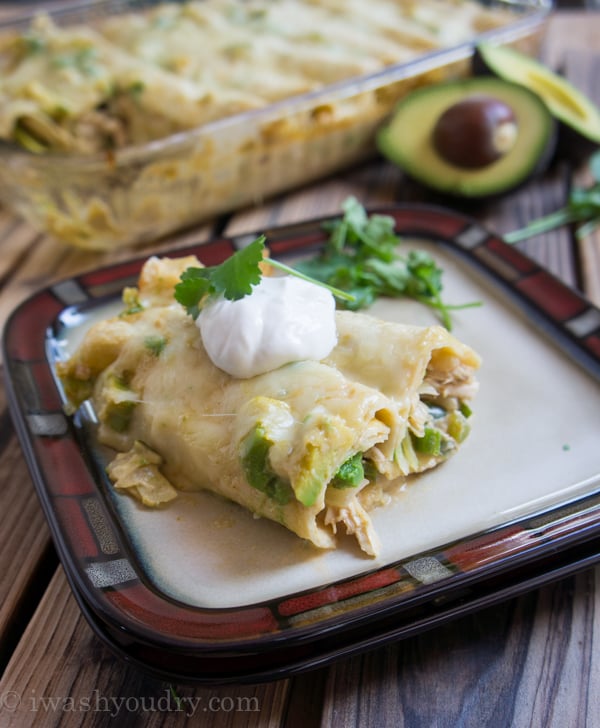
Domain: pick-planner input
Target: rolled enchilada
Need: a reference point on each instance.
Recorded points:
(312, 445)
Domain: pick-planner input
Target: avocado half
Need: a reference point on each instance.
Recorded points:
(566, 103)
(408, 138)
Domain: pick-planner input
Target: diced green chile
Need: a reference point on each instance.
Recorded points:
(407, 452)
(155, 344)
(370, 470)
(255, 462)
(28, 139)
(465, 410)
(78, 390)
(119, 415)
(350, 474)
(131, 300)
(120, 381)
(119, 412)
(430, 443)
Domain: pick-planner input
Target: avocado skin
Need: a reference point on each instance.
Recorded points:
(576, 138)
(531, 155)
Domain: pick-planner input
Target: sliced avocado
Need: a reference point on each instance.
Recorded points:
(315, 471)
(566, 103)
(410, 138)
(255, 462)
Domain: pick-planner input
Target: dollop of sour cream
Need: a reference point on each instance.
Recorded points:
(285, 319)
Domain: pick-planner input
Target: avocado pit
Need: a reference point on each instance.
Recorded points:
(473, 137)
(475, 132)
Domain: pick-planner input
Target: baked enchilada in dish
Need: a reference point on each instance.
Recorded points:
(313, 444)
(126, 120)
(140, 76)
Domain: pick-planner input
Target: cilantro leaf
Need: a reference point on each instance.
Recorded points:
(361, 257)
(582, 209)
(193, 289)
(233, 279)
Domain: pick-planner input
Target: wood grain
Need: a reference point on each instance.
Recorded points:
(62, 676)
(584, 65)
(25, 550)
(505, 667)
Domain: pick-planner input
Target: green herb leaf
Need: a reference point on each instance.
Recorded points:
(136, 89)
(583, 207)
(361, 257)
(33, 43)
(83, 59)
(233, 279)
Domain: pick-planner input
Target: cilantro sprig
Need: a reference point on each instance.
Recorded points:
(582, 208)
(358, 263)
(233, 279)
(361, 257)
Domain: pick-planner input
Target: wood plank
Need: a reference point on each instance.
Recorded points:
(585, 67)
(571, 47)
(590, 253)
(25, 550)
(17, 239)
(61, 675)
(374, 183)
(531, 661)
(569, 29)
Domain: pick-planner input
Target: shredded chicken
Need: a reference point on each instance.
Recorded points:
(457, 382)
(357, 523)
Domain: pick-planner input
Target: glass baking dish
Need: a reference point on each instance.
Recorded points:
(139, 193)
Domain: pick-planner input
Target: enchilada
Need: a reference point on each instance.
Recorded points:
(312, 445)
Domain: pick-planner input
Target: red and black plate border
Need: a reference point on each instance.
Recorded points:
(279, 637)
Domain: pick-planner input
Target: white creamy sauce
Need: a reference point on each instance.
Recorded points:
(284, 319)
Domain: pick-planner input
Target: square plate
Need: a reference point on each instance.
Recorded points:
(203, 592)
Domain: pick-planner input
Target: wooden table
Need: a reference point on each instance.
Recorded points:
(532, 661)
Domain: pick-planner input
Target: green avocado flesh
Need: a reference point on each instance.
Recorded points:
(407, 139)
(565, 102)
(259, 475)
(255, 463)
